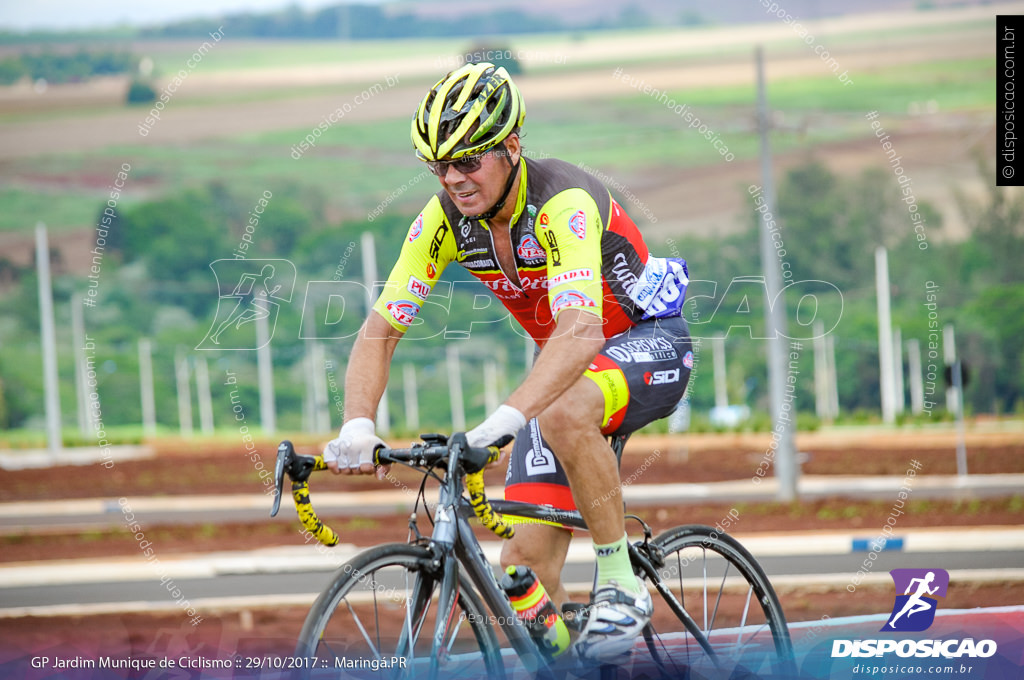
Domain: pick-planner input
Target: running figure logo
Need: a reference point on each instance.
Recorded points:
(914, 610)
(248, 291)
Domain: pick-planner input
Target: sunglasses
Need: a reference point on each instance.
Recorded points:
(464, 165)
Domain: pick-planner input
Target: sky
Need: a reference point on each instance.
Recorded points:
(19, 15)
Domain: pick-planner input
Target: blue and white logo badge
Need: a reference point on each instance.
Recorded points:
(914, 610)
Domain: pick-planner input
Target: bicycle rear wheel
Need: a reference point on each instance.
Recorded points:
(727, 594)
(379, 614)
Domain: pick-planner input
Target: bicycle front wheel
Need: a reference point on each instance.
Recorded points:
(729, 597)
(379, 613)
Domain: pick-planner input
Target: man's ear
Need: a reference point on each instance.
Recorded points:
(514, 148)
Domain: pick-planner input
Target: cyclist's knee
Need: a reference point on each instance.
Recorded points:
(575, 413)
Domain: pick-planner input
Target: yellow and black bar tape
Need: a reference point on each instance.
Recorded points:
(483, 509)
(322, 532)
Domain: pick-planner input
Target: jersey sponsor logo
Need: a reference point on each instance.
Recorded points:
(501, 284)
(662, 377)
(539, 459)
(556, 255)
(585, 274)
(529, 248)
(622, 272)
(479, 264)
(435, 244)
(417, 228)
(403, 311)
(643, 349)
(649, 281)
(418, 288)
(570, 298)
(688, 360)
(431, 270)
(463, 254)
(661, 288)
(578, 224)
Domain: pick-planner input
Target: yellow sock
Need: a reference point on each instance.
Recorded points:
(613, 565)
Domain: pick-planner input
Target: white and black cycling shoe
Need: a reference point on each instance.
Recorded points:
(616, 618)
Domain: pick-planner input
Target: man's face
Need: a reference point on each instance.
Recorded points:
(475, 192)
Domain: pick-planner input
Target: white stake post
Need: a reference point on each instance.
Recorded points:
(916, 382)
(369, 281)
(51, 393)
(900, 401)
(412, 406)
(203, 395)
(455, 389)
(822, 402)
(148, 396)
(85, 423)
(885, 361)
(718, 362)
(265, 370)
(181, 374)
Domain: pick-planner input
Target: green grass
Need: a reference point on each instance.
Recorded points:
(965, 84)
(24, 207)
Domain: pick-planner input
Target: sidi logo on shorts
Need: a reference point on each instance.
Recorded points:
(914, 609)
(662, 377)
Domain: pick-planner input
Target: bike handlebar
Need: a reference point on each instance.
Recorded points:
(435, 451)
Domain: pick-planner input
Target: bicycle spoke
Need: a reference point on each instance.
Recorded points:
(362, 630)
(705, 582)
(718, 600)
(705, 559)
(743, 620)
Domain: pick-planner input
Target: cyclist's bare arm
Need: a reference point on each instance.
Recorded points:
(577, 339)
(367, 373)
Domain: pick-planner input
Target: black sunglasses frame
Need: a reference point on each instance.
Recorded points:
(465, 165)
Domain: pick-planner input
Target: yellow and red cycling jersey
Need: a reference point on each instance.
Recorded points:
(574, 247)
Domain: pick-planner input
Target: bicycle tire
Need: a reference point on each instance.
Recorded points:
(743, 622)
(364, 614)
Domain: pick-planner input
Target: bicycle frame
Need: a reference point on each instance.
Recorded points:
(453, 543)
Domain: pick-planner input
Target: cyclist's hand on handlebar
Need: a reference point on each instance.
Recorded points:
(504, 422)
(351, 453)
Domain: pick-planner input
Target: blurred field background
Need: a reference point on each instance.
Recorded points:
(231, 130)
(78, 106)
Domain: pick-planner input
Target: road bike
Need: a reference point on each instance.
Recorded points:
(432, 607)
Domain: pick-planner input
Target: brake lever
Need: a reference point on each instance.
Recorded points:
(297, 467)
(285, 452)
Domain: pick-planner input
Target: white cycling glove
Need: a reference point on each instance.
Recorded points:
(354, 445)
(505, 421)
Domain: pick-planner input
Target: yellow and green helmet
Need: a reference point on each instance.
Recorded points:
(478, 97)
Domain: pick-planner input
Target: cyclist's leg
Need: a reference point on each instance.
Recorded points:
(637, 377)
(535, 476)
(543, 548)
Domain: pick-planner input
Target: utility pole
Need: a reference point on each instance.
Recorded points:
(787, 468)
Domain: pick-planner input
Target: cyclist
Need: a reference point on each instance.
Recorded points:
(551, 243)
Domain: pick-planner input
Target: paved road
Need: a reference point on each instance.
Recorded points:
(294, 575)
